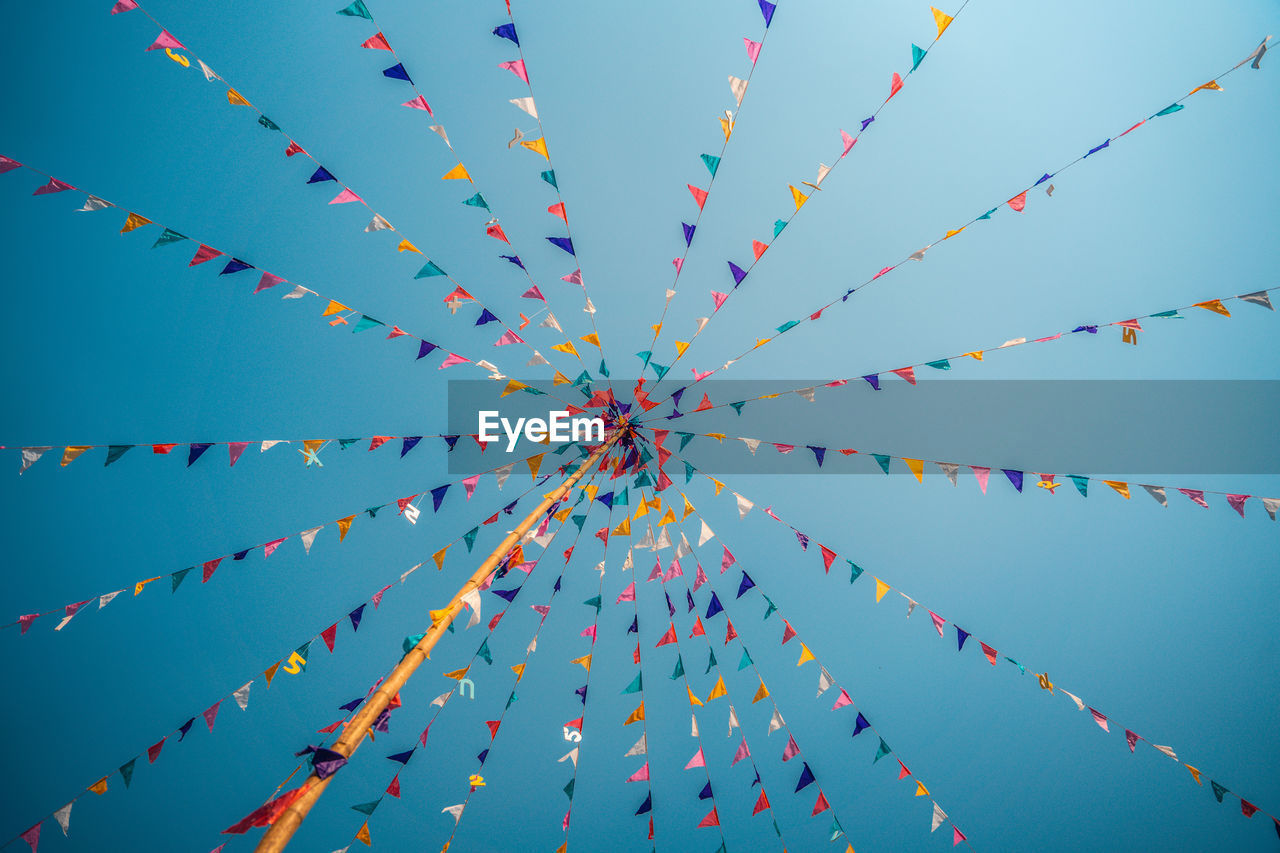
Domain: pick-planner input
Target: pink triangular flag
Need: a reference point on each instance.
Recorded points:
(628, 594)
(982, 474)
(700, 579)
(236, 448)
(534, 293)
(165, 40)
(727, 560)
(267, 280)
(718, 298)
(938, 622)
(640, 775)
(211, 714)
(792, 750)
(508, 337)
(956, 836)
(54, 186)
(345, 197)
(419, 103)
(894, 85)
(1099, 719)
(124, 6)
(574, 277)
(516, 67)
(753, 49)
(848, 142)
(696, 761)
(1237, 503)
(842, 700)
(678, 263)
(470, 485)
(32, 837)
(452, 360)
(270, 547)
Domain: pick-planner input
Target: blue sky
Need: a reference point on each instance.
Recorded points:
(1158, 617)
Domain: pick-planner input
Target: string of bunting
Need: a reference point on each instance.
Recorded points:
(758, 248)
(1017, 203)
(1017, 478)
(401, 759)
(738, 87)
(406, 506)
(322, 175)
(295, 663)
(493, 227)
(1129, 328)
(825, 680)
(829, 556)
(341, 314)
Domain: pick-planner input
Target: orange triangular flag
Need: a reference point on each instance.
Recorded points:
(760, 694)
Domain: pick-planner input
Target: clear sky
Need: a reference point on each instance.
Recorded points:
(1161, 618)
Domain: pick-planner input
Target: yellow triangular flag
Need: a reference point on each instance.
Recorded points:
(236, 99)
(584, 662)
(976, 355)
(761, 342)
(727, 127)
(99, 787)
(591, 490)
(271, 673)
(1214, 305)
(438, 616)
(693, 700)
(592, 339)
(1122, 489)
(718, 436)
(921, 790)
(1212, 84)
(137, 587)
(518, 669)
(798, 197)
(954, 232)
(457, 674)
(667, 519)
(333, 308)
(72, 452)
(344, 524)
(642, 509)
(623, 529)
(363, 835)
(566, 347)
(760, 694)
(655, 503)
(512, 387)
(881, 589)
(535, 462)
(688, 507)
(563, 514)
(311, 445)
(438, 556)
(560, 379)
(134, 220)
(805, 655)
(657, 329)
(1195, 773)
(942, 19)
(719, 690)
(538, 146)
(457, 173)
(637, 714)
(719, 485)
(681, 346)
(406, 246)
(916, 466)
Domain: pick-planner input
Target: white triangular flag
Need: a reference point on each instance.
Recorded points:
(297, 293)
(752, 444)
(702, 324)
(551, 323)
(503, 473)
(807, 393)
(456, 811)
(626, 564)
(1074, 698)
(439, 129)
(1156, 492)
(242, 697)
(1260, 298)
(309, 536)
(938, 817)
(733, 721)
(268, 444)
(684, 549)
(823, 169)
(824, 680)
(694, 732)
(738, 87)
(705, 536)
(1167, 750)
(104, 600)
(472, 600)
(63, 816)
(646, 541)
(536, 360)
(664, 541)
(1012, 343)
(1271, 505)
(378, 224)
(641, 748)
(950, 469)
(441, 699)
(775, 722)
(670, 293)
(209, 73)
(30, 455)
(93, 203)
(571, 754)
(744, 505)
(527, 105)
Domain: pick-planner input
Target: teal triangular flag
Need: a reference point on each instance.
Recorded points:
(578, 520)
(882, 751)
(429, 270)
(855, 570)
(178, 578)
(1015, 663)
(643, 480)
(787, 325)
(470, 538)
(356, 10)
(679, 670)
(267, 123)
(712, 163)
(483, 651)
(1171, 315)
(115, 451)
(836, 829)
(940, 364)
(711, 661)
(645, 455)
(367, 808)
(550, 177)
(583, 378)
(126, 771)
(773, 608)
(1082, 484)
(604, 368)
(366, 323)
(644, 356)
(737, 407)
(746, 660)
(167, 237)
(304, 650)
(917, 56)
(477, 200)
(347, 442)
(778, 226)
(593, 601)
(621, 498)
(510, 699)
(659, 369)
(883, 460)
(410, 642)
(635, 686)
(568, 789)
(1169, 110)
(688, 472)
(987, 215)
(1218, 790)
(685, 438)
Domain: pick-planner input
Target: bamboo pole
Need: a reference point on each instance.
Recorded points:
(279, 834)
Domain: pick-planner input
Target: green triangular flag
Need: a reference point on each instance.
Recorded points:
(550, 177)
(483, 651)
(477, 200)
(917, 56)
(746, 660)
(356, 10)
(470, 538)
(568, 789)
(166, 237)
(115, 451)
(635, 686)
(429, 270)
(882, 751)
(367, 808)
(679, 670)
(126, 771)
(711, 661)
(883, 460)
(778, 226)
(178, 578)
(594, 601)
(712, 163)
